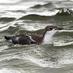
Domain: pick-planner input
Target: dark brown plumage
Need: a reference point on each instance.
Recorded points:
(30, 39)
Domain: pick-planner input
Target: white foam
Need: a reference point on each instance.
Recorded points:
(6, 26)
(66, 61)
(1, 25)
(8, 1)
(8, 70)
(39, 62)
(43, 62)
(2, 29)
(62, 43)
(65, 31)
(12, 14)
(44, 12)
(30, 28)
(2, 48)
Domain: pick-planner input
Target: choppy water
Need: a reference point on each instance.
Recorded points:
(25, 16)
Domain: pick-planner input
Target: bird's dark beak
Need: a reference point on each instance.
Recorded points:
(59, 28)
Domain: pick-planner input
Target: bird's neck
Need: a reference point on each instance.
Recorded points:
(48, 36)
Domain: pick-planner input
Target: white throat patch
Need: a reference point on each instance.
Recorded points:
(48, 37)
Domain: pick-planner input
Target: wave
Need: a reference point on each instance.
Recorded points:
(34, 17)
(44, 5)
(60, 14)
(37, 15)
(18, 11)
(64, 11)
(66, 31)
(62, 44)
(8, 70)
(6, 19)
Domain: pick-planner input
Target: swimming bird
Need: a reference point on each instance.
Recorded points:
(23, 39)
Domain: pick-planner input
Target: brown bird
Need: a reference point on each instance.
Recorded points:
(23, 39)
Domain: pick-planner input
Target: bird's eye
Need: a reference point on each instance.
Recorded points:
(50, 28)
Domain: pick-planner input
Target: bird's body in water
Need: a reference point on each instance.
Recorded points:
(34, 39)
(20, 39)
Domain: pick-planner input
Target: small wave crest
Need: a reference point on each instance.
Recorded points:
(34, 17)
(64, 11)
(6, 19)
(62, 43)
(44, 5)
(8, 70)
(59, 13)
